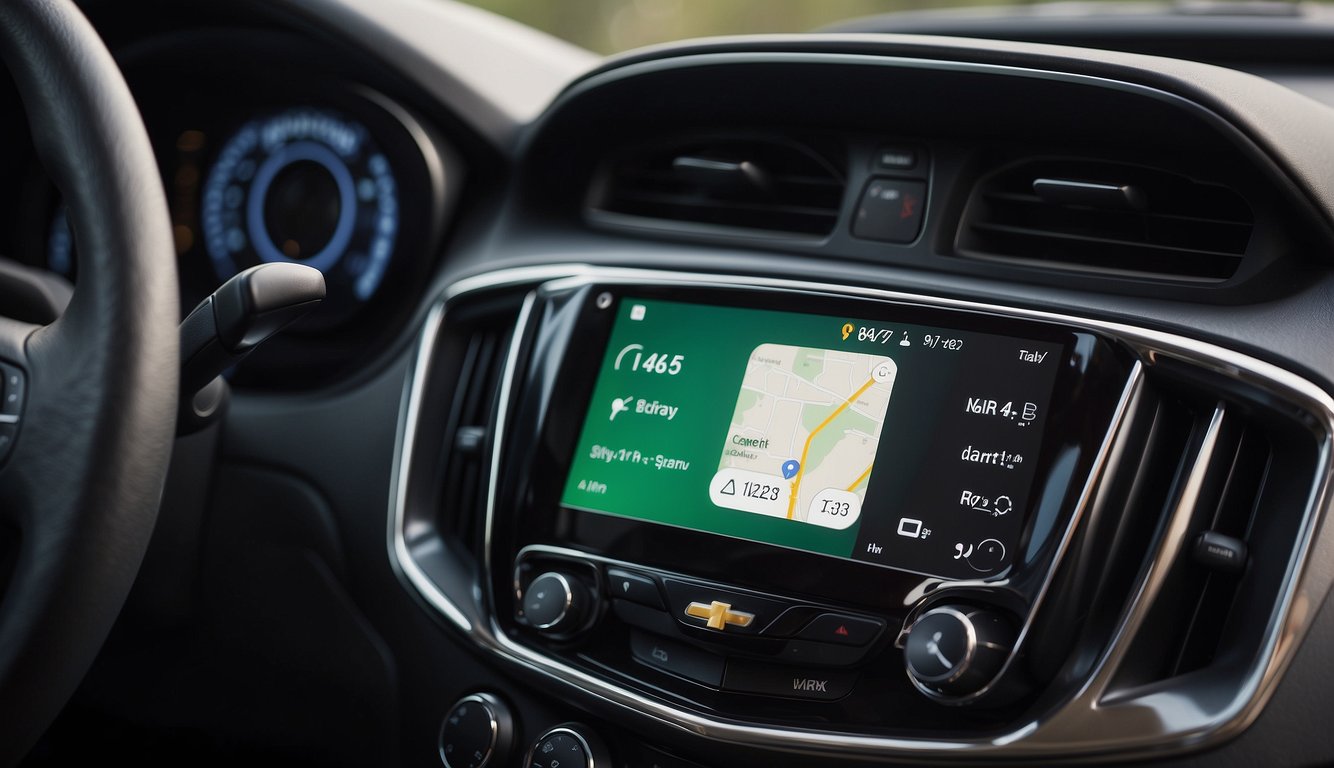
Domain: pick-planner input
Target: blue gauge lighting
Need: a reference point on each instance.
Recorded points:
(307, 186)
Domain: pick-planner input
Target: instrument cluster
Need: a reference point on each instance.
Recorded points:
(297, 162)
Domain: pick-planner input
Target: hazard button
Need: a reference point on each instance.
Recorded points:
(842, 628)
(890, 210)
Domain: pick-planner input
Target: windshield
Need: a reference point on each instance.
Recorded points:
(610, 26)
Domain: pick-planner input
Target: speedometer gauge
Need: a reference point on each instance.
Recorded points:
(307, 186)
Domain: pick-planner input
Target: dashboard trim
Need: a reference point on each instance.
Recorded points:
(444, 166)
(402, 559)
(1228, 98)
(888, 59)
(1076, 717)
(1178, 728)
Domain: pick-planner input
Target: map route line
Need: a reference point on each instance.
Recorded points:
(796, 481)
(799, 380)
(860, 478)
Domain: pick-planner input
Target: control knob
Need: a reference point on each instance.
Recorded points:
(954, 651)
(477, 732)
(568, 746)
(556, 603)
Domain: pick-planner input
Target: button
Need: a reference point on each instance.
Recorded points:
(677, 658)
(988, 556)
(635, 587)
(823, 654)
(11, 401)
(891, 158)
(890, 210)
(793, 682)
(792, 620)
(642, 616)
(7, 434)
(842, 629)
(682, 594)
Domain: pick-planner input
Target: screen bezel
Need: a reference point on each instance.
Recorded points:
(563, 348)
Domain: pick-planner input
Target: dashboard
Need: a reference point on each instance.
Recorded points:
(924, 391)
(315, 168)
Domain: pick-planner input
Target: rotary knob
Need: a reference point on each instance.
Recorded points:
(556, 603)
(478, 732)
(954, 651)
(569, 746)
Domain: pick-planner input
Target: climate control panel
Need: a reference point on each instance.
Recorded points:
(738, 641)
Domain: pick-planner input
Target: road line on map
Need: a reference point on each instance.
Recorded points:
(860, 478)
(796, 481)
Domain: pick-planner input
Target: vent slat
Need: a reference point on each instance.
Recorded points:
(673, 175)
(1076, 238)
(1186, 230)
(1245, 492)
(1015, 197)
(793, 189)
(478, 370)
(665, 200)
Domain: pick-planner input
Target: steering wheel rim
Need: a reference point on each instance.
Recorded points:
(80, 489)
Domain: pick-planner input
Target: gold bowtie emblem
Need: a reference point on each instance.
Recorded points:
(719, 615)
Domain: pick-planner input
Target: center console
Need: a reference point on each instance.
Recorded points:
(836, 520)
(732, 492)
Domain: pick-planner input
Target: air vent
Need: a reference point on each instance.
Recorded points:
(475, 354)
(1219, 592)
(769, 184)
(1184, 630)
(1114, 218)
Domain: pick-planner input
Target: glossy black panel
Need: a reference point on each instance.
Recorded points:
(568, 337)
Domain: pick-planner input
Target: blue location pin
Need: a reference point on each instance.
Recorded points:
(790, 468)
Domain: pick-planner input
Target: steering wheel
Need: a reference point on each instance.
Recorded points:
(91, 427)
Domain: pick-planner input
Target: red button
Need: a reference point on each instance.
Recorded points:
(841, 628)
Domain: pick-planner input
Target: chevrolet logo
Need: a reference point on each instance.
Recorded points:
(719, 615)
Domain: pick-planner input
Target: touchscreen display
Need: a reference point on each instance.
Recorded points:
(900, 445)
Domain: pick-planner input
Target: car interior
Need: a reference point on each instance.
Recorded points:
(391, 383)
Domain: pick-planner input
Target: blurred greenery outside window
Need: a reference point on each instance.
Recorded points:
(609, 26)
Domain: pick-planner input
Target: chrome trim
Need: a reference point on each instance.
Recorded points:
(569, 598)
(1134, 382)
(1164, 724)
(1133, 386)
(487, 704)
(502, 414)
(579, 737)
(961, 666)
(439, 159)
(1074, 721)
(413, 388)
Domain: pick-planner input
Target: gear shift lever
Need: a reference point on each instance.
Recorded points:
(228, 325)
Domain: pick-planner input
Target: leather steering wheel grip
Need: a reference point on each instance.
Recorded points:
(80, 491)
